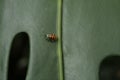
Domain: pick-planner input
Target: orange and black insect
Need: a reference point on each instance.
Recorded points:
(51, 37)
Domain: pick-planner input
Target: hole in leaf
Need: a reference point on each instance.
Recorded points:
(110, 68)
(19, 57)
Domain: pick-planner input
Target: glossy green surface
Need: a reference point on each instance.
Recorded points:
(37, 18)
(91, 32)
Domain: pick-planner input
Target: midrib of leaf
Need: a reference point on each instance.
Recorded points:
(59, 33)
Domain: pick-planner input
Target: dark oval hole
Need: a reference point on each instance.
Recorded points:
(19, 57)
(110, 68)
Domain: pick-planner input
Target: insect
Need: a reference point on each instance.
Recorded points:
(51, 37)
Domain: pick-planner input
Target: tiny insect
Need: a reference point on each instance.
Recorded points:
(51, 37)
